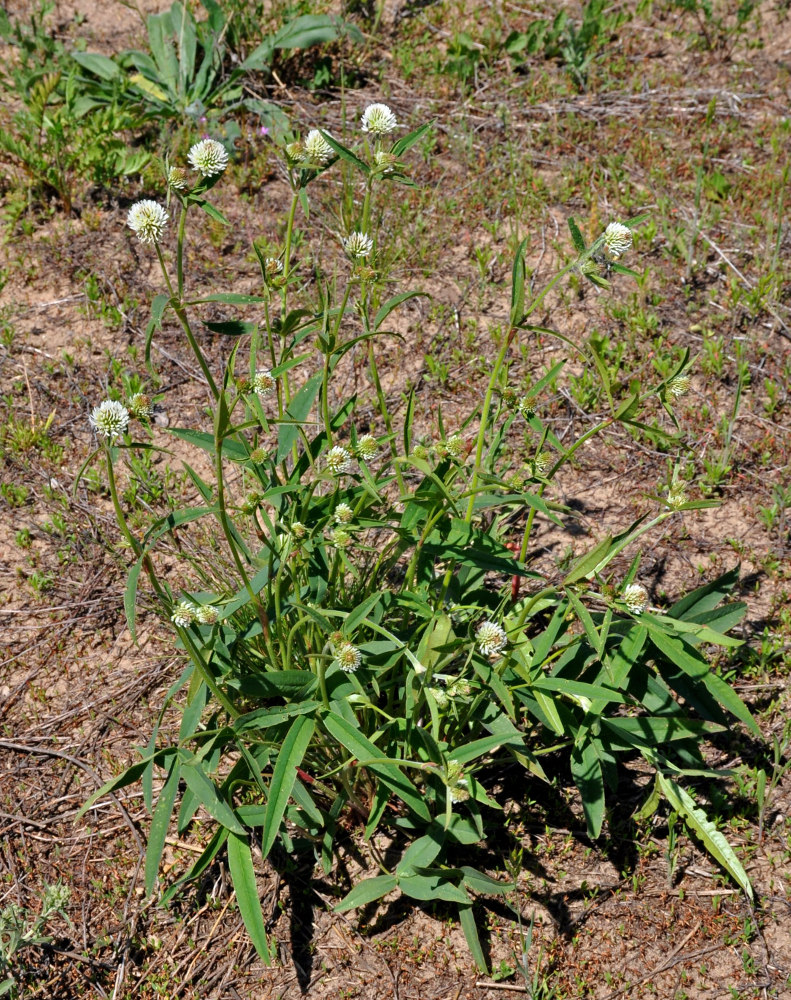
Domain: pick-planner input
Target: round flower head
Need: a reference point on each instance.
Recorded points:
(263, 382)
(206, 614)
(367, 447)
(379, 119)
(298, 529)
(140, 406)
(183, 614)
(208, 157)
(109, 419)
(273, 266)
(340, 538)
(635, 598)
(676, 497)
(678, 386)
(147, 220)
(358, 245)
(316, 149)
(492, 639)
(617, 239)
(541, 463)
(259, 455)
(295, 151)
(343, 513)
(348, 657)
(455, 446)
(525, 407)
(385, 161)
(177, 178)
(338, 460)
(440, 696)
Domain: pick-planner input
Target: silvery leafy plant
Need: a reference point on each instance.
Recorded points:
(368, 644)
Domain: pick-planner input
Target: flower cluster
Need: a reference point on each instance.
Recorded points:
(635, 598)
(491, 638)
(367, 447)
(183, 614)
(678, 386)
(316, 151)
(208, 157)
(358, 245)
(147, 220)
(338, 461)
(343, 513)
(177, 178)
(617, 239)
(348, 657)
(263, 382)
(140, 406)
(378, 119)
(109, 419)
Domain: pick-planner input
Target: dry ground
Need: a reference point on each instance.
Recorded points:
(77, 697)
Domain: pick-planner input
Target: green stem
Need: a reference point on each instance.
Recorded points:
(181, 314)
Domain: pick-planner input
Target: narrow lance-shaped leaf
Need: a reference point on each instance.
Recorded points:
(284, 775)
(240, 862)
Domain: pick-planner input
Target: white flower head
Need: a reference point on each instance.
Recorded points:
(183, 614)
(316, 149)
(348, 657)
(338, 460)
(492, 639)
(147, 220)
(109, 419)
(541, 463)
(206, 614)
(617, 239)
(455, 446)
(635, 598)
(367, 447)
(378, 119)
(208, 157)
(298, 529)
(177, 178)
(358, 245)
(263, 382)
(343, 513)
(678, 386)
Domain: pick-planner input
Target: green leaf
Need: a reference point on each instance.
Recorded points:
(576, 236)
(391, 304)
(128, 777)
(588, 561)
(692, 663)
(518, 284)
(707, 597)
(587, 772)
(577, 689)
(714, 842)
(471, 751)
(470, 928)
(296, 414)
(240, 863)
(593, 635)
(366, 892)
(431, 886)
(233, 328)
(421, 852)
(99, 65)
(283, 777)
(357, 744)
(159, 825)
(407, 141)
(484, 884)
(204, 789)
(347, 154)
(654, 731)
(130, 596)
(212, 211)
